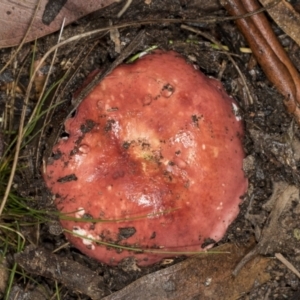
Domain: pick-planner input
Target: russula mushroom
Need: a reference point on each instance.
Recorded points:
(152, 161)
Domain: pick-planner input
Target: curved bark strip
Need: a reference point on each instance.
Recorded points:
(268, 51)
(286, 17)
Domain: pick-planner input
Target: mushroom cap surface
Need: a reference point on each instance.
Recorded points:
(152, 162)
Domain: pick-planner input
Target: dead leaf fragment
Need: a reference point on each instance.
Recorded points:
(15, 17)
(286, 18)
(207, 276)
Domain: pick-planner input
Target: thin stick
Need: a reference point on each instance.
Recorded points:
(19, 142)
(281, 258)
(125, 7)
(269, 53)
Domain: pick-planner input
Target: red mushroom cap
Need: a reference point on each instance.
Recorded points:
(155, 152)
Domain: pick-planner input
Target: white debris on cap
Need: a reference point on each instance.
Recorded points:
(85, 237)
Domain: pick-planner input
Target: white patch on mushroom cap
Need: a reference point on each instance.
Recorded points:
(152, 200)
(116, 128)
(236, 112)
(186, 138)
(220, 206)
(85, 237)
(80, 212)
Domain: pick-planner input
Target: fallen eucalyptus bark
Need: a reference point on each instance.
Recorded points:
(207, 276)
(285, 17)
(267, 50)
(73, 275)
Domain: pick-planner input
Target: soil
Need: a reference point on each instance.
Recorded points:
(271, 145)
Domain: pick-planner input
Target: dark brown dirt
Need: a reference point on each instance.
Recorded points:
(271, 142)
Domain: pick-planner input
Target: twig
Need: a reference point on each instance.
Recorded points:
(41, 97)
(20, 139)
(125, 7)
(281, 258)
(269, 53)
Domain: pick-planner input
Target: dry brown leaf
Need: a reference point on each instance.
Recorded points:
(15, 17)
(207, 276)
(286, 18)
